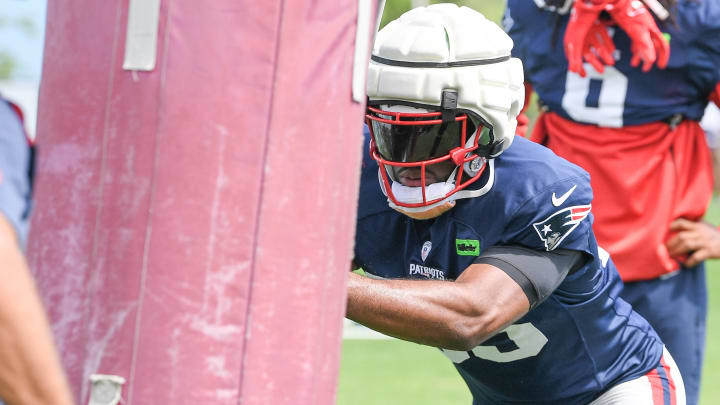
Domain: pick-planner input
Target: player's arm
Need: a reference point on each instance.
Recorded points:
(30, 372)
(498, 289)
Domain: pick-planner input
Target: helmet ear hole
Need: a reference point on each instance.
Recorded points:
(485, 136)
(486, 142)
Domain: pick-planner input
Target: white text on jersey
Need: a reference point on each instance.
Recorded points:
(428, 272)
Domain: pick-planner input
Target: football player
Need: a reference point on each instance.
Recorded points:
(30, 372)
(480, 243)
(635, 128)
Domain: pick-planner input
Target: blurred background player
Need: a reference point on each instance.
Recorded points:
(634, 126)
(481, 244)
(30, 372)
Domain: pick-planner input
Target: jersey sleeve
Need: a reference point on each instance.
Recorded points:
(15, 164)
(514, 30)
(557, 216)
(701, 20)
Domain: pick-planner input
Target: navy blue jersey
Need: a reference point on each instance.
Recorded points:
(622, 95)
(573, 346)
(15, 165)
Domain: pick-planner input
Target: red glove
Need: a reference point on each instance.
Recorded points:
(648, 43)
(585, 36)
(599, 48)
(583, 17)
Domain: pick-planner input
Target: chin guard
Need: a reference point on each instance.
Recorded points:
(433, 212)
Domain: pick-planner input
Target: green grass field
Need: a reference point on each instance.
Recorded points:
(383, 372)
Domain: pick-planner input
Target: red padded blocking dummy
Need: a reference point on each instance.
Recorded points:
(193, 224)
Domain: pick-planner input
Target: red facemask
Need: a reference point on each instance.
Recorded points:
(425, 144)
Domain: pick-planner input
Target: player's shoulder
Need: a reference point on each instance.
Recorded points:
(524, 16)
(15, 164)
(699, 17)
(537, 168)
(540, 7)
(10, 117)
(546, 197)
(14, 144)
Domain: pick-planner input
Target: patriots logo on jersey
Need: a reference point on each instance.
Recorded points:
(425, 250)
(558, 226)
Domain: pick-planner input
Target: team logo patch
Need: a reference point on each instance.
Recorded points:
(467, 247)
(425, 251)
(558, 226)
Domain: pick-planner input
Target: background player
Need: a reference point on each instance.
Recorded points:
(30, 372)
(532, 313)
(634, 127)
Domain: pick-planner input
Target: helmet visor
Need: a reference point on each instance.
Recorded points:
(416, 137)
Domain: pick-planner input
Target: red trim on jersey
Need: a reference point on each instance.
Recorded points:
(656, 387)
(643, 177)
(578, 213)
(671, 381)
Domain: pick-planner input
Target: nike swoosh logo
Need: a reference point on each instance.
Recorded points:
(558, 201)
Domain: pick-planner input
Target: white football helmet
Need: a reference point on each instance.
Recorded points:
(442, 89)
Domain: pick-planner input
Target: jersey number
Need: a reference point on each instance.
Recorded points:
(516, 342)
(598, 98)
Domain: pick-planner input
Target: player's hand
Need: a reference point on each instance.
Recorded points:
(649, 46)
(598, 48)
(699, 240)
(583, 18)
